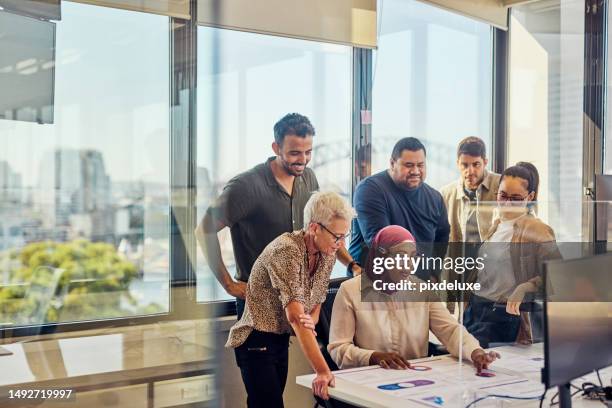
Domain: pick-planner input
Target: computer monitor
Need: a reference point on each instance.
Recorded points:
(577, 320)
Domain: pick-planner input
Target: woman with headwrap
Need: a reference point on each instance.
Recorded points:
(389, 328)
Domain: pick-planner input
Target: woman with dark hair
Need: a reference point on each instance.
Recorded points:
(370, 326)
(513, 251)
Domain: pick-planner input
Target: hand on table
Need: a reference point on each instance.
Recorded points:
(389, 360)
(481, 359)
(321, 382)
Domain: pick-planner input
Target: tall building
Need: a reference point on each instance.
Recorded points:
(10, 185)
(75, 195)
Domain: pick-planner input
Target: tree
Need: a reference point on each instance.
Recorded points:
(51, 282)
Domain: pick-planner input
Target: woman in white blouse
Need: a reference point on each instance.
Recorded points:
(391, 330)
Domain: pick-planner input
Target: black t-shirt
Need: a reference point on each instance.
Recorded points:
(257, 209)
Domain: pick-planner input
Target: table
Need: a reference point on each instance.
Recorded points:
(525, 376)
(117, 359)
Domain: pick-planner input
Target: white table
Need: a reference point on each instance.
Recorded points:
(364, 396)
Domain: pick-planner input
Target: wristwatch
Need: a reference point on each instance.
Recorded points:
(349, 267)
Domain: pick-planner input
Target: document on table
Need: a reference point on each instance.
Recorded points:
(520, 364)
(432, 382)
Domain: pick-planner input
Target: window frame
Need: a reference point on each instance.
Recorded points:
(183, 304)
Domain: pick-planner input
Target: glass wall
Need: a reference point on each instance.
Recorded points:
(432, 80)
(84, 200)
(244, 88)
(546, 72)
(607, 142)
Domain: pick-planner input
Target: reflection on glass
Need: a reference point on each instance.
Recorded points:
(81, 355)
(246, 83)
(607, 142)
(84, 201)
(432, 80)
(546, 102)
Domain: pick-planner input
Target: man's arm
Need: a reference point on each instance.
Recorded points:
(442, 231)
(372, 211)
(206, 234)
(343, 256)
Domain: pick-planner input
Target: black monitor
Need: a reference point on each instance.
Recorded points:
(577, 320)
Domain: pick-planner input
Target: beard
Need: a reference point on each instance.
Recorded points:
(294, 169)
(473, 183)
(411, 184)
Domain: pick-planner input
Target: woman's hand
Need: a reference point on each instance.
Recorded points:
(516, 298)
(307, 321)
(321, 382)
(389, 360)
(481, 359)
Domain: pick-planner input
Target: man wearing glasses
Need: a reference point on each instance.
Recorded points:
(261, 204)
(400, 196)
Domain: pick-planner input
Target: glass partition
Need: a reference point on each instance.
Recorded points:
(245, 85)
(432, 76)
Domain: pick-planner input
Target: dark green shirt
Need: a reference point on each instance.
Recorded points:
(257, 209)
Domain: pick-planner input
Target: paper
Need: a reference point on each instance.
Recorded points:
(518, 364)
(448, 397)
(434, 382)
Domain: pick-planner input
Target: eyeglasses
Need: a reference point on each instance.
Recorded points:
(337, 237)
(501, 196)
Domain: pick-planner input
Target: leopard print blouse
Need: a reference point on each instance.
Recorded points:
(279, 276)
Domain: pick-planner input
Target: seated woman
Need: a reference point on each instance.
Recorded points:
(391, 329)
(516, 245)
(286, 287)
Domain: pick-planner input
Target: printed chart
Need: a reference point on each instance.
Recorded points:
(441, 382)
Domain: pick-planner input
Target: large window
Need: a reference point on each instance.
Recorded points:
(607, 142)
(246, 83)
(546, 69)
(84, 201)
(432, 80)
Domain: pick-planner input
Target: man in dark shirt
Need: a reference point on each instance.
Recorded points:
(400, 196)
(261, 204)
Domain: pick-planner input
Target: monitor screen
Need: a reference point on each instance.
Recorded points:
(578, 318)
(27, 68)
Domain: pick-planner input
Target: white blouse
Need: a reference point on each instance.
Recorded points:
(358, 328)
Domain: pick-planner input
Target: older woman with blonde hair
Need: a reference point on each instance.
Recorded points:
(284, 293)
